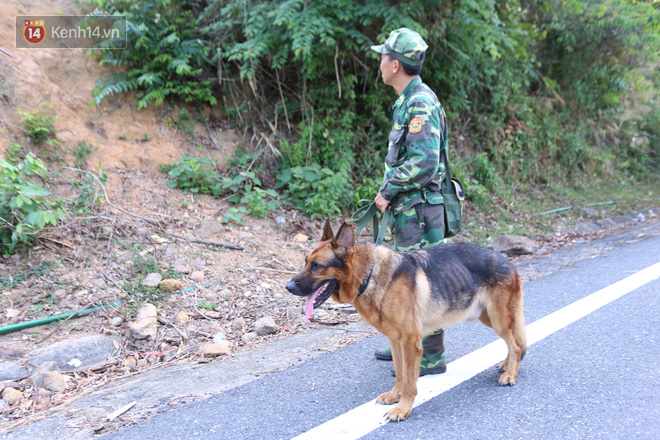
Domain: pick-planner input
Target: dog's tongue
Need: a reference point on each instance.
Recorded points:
(309, 304)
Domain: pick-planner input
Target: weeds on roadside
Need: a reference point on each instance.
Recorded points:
(10, 281)
(140, 266)
(81, 154)
(25, 207)
(39, 125)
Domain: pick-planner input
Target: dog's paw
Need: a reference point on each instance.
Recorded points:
(506, 379)
(501, 367)
(399, 414)
(389, 398)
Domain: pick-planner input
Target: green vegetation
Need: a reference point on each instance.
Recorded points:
(81, 154)
(198, 176)
(39, 125)
(25, 206)
(538, 93)
(139, 267)
(9, 282)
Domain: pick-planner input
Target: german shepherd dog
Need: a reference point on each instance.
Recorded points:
(407, 295)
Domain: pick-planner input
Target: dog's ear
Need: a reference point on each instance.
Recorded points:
(345, 237)
(327, 232)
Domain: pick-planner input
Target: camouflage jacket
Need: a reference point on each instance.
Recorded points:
(413, 171)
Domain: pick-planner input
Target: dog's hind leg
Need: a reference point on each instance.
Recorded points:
(506, 315)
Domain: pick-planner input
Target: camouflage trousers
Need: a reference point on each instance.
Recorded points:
(420, 227)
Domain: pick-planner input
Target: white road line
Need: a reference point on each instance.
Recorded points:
(368, 417)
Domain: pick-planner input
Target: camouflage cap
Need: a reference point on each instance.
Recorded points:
(405, 45)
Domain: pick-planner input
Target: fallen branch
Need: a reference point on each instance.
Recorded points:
(273, 270)
(208, 243)
(120, 411)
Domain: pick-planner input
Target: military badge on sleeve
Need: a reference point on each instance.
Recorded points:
(415, 125)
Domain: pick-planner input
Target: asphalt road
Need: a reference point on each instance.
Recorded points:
(595, 378)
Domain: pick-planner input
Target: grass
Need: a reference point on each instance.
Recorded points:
(521, 211)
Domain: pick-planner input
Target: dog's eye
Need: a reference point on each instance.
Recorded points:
(316, 266)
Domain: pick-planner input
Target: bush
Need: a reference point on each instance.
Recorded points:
(532, 85)
(39, 125)
(317, 191)
(198, 176)
(25, 207)
(166, 59)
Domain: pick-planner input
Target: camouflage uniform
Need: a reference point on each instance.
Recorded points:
(414, 172)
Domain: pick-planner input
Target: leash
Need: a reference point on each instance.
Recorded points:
(370, 212)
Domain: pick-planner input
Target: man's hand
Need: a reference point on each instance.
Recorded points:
(381, 203)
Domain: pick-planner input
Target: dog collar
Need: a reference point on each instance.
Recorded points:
(365, 283)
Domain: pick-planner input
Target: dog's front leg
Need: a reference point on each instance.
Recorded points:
(393, 395)
(410, 353)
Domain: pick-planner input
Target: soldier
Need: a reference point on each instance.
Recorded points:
(411, 187)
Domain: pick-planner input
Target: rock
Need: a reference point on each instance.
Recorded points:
(60, 294)
(249, 337)
(54, 381)
(247, 293)
(130, 362)
(70, 355)
(38, 378)
(238, 325)
(301, 238)
(280, 220)
(278, 295)
(216, 349)
(43, 403)
(181, 317)
(207, 229)
(145, 325)
(141, 232)
(12, 371)
(589, 212)
(152, 280)
(198, 263)
(197, 276)
(9, 353)
(244, 282)
(514, 245)
(211, 296)
(265, 326)
(623, 218)
(226, 294)
(11, 396)
(117, 321)
(170, 285)
(182, 268)
(219, 338)
(12, 313)
(142, 363)
(588, 227)
(607, 223)
(266, 286)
